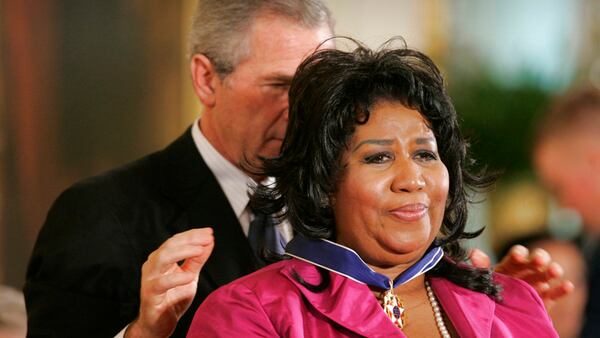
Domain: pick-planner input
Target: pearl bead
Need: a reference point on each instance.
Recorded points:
(437, 313)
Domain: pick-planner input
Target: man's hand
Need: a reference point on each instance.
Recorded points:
(168, 287)
(535, 268)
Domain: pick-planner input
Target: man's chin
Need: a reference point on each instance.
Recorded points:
(271, 149)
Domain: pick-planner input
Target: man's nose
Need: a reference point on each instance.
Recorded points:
(286, 113)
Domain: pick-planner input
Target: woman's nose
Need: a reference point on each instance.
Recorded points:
(408, 178)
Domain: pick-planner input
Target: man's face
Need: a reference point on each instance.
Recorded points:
(562, 164)
(250, 115)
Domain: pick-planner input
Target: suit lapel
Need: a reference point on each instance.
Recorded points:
(232, 256)
(188, 181)
(182, 171)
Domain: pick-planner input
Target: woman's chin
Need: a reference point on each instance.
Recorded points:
(407, 252)
(405, 245)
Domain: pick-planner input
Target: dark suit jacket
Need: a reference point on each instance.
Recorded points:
(83, 278)
(591, 325)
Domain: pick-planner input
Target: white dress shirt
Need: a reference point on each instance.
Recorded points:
(234, 182)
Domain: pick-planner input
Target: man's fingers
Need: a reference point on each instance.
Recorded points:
(167, 289)
(552, 294)
(540, 287)
(479, 259)
(538, 270)
(543, 274)
(195, 264)
(514, 262)
(164, 283)
(184, 245)
(534, 268)
(540, 258)
(518, 255)
(163, 260)
(555, 271)
(200, 236)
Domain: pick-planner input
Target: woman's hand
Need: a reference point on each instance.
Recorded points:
(535, 268)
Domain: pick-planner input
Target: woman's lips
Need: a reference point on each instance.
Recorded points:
(410, 212)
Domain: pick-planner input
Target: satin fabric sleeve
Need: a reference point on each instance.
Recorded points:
(232, 312)
(522, 311)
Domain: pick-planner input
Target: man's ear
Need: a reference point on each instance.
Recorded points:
(204, 78)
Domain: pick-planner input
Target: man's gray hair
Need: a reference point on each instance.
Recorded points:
(220, 27)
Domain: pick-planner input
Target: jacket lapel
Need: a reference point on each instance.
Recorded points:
(188, 181)
(232, 256)
(361, 312)
(470, 312)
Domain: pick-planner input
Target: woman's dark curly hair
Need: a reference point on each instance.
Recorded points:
(331, 93)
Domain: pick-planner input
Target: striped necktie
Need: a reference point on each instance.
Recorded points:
(264, 237)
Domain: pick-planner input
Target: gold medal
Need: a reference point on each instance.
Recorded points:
(393, 307)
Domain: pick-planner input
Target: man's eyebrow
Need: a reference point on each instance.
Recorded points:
(279, 78)
(383, 142)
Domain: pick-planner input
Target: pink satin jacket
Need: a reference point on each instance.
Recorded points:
(271, 303)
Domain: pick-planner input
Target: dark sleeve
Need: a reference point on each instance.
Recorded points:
(591, 326)
(591, 322)
(82, 279)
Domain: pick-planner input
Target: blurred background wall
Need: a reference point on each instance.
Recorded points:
(88, 85)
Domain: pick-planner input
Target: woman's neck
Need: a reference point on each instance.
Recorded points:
(391, 272)
(415, 286)
(394, 271)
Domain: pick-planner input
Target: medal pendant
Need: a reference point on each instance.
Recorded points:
(393, 308)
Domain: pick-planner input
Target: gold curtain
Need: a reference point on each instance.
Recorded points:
(85, 86)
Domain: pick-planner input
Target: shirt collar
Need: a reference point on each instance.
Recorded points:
(232, 179)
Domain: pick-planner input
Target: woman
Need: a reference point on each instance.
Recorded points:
(372, 178)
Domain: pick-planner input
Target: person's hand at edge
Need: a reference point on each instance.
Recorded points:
(168, 287)
(535, 268)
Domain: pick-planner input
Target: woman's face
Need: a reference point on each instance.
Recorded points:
(390, 199)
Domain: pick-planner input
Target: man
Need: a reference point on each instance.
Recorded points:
(567, 158)
(85, 272)
(130, 248)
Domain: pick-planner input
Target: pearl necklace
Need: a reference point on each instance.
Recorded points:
(437, 313)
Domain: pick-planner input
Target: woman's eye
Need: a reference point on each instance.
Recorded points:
(378, 158)
(427, 155)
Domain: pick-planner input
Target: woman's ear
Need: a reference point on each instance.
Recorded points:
(204, 79)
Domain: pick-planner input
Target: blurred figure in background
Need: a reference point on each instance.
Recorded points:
(567, 158)
(567, 313)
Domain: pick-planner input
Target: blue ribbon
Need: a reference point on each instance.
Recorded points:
(346, 262)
